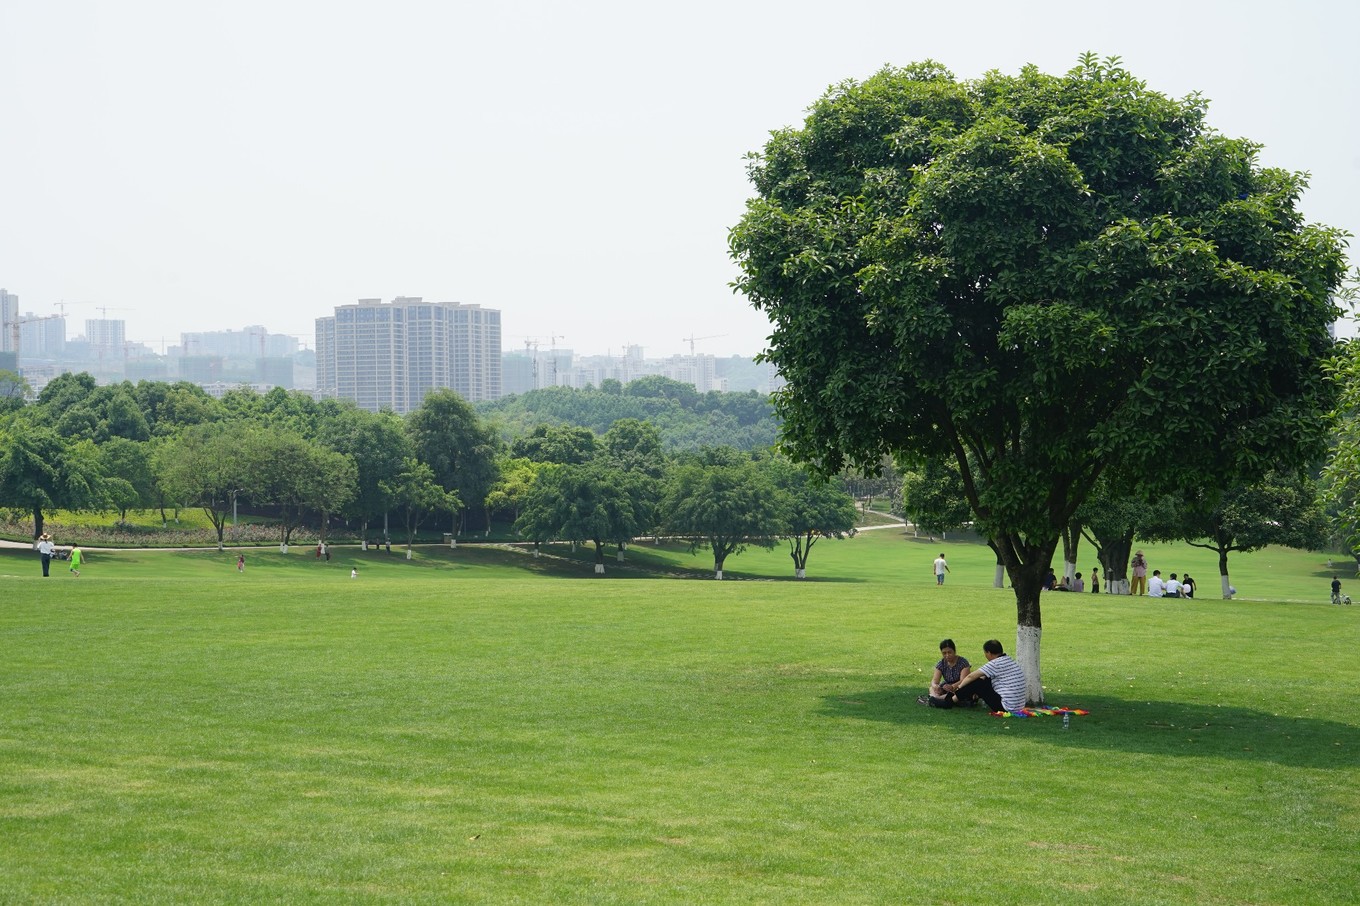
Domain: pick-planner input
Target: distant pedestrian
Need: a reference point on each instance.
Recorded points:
(354, 572)
(1139, 586)
(1187, 587)
(1095, 580)
(241, 563)
(77, 556)
(941, 567)
(46, 549)
(1336, 585)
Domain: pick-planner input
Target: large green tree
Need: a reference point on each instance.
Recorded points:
(459, 448)
(378, 445)
(41, 471)
(1044, 277)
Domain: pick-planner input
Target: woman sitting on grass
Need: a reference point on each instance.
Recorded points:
(948, 672)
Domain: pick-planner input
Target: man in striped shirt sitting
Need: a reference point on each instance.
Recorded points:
(1000, 682)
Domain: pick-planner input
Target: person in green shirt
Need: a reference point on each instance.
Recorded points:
(76, 556)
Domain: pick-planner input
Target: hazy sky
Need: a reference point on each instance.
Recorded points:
(206, 166)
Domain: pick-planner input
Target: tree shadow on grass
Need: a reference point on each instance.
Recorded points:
(1291, 736)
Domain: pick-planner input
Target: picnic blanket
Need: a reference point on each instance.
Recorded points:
(1039, 712)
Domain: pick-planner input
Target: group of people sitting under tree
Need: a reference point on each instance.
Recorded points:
(1170, 588)
(999, 683)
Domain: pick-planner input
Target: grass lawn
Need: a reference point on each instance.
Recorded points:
(479, 726)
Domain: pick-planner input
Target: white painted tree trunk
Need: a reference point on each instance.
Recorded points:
(1118, 586)
(1027, 656)
(717, 574)
(999, 580)
(409, 553)
(599, 569)
(453, 542)
(283, 548)
(800, 573)
(619, 555)
(363, 545)
(536, 552)
(1227, 588)
(1069, 571)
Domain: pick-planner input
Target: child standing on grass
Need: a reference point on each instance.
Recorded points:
(76, 556)
(241, 563)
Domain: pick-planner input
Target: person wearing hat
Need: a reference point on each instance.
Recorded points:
(46, 548)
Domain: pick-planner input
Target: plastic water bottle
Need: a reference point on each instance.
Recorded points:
(1067, 721)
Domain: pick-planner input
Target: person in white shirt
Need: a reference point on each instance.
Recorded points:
(1173, 587)
(1000, 682)
(941, 568)
(47, 549)
(1156, 587)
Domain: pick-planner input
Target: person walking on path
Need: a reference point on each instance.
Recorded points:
(45, 550)
(941, 568)
(77, 555)
(1139, 586)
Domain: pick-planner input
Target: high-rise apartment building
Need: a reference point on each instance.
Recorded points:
(389, 355)
(9, 313)
(106, 336)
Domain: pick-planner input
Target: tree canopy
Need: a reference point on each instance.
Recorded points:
(1045, 278)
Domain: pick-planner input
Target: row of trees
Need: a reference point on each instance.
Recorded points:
(1288, 510)
(165, 446)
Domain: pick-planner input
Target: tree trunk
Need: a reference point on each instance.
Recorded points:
(999, 578)
(37, 523)
(1114, 558)
(1223, 574)
(1071, 541)
(1027, 565)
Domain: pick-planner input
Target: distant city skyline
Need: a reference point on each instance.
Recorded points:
(185, 167)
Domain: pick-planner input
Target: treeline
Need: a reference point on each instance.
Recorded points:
(685, 418)
(522, 465)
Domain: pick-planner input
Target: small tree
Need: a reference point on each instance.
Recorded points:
(813, 508)
(420, 497)
(725, 505)
(934, 498)
(203, 467)
(1281, 509)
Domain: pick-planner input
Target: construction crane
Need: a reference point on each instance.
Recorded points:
(692, 339)
(15, 336)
